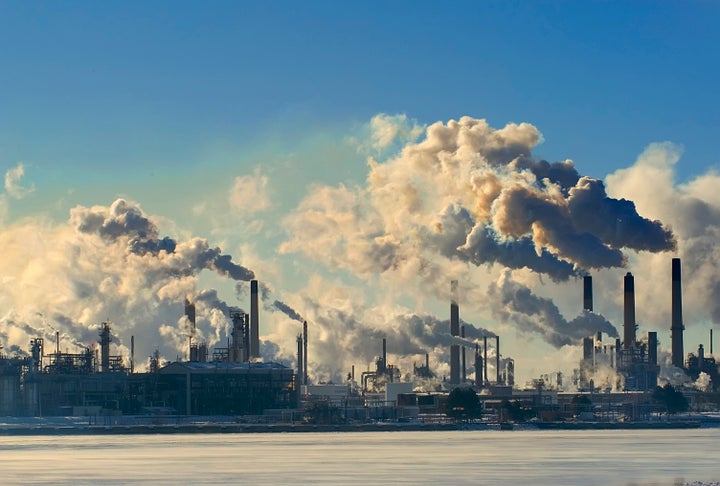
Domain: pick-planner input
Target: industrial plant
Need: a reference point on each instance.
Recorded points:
(234, 381)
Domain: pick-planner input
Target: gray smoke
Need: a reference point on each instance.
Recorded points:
(125, 221)
(288, 311)
(532, 314)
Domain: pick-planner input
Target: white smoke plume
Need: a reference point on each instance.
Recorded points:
(692, 209)
(106, 263)
(468, 193)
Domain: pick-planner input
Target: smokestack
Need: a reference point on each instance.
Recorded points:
(464, 369)
(652, 347)
(497, 358)
(384, 355)
(300, 378)
(478, 367)
(587, 293)
(132, 354)
(104, 346)
(254, 326)
(677, 327)
(305, 353)
(711, 343)
(485, 363)
(454, 331)
(629, 321)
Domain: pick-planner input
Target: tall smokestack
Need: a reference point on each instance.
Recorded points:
(485, 363)
(454, 331)
(587, 293)
(497, 359)
(104, 347)
(305, 353)
(463, 368)
(384, 355)
(629, 321)
(677, 327)
(652, 347)
(254, 319)
(132, 354)
(478, 367)
(300, 378)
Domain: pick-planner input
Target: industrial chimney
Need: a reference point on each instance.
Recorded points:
(629, 321)
(305, 353)
(677, 327)
(454, 331)
(254, 327)
(587, 293)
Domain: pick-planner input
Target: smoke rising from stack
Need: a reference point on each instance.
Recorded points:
(468, 193)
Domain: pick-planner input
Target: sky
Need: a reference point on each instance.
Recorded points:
(356, 158)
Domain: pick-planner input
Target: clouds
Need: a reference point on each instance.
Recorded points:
(467, 193)
(13, 183)
(106, 262)
(692, 209)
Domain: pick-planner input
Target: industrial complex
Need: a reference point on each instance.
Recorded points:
(619, 376)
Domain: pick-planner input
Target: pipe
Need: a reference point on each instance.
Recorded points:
(677, 327)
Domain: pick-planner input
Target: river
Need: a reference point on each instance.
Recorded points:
(527, 457)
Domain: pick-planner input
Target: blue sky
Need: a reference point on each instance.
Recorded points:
(167, 103)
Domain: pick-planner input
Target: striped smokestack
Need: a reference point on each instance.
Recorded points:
(677, 326)
(629, 321)
(587, 293)
(454, 331)
(254, 326)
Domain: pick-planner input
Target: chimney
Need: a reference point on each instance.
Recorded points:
(485, 363)
(629, 322)
(305, 353)
(254, 326)
(132, 354)
(652, 347)
(478, 367)
(677, 327)
(497, 358)
(463, 368)
(300, 367)
(587, 293)
(454, 331)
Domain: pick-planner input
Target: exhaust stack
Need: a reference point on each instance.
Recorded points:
(587, 293)
(629, 321)
(677, 326)
(254, 326)
(454, 331)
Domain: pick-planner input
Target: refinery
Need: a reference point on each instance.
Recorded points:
(615, 381)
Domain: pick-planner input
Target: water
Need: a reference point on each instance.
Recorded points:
(645, 457)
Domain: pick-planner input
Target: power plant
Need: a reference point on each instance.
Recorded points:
(233, 380)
